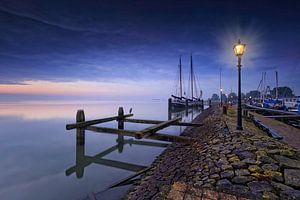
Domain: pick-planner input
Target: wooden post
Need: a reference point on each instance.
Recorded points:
(186, 103)
(80, 132)
(121, 118)
(169, 108)
(209, 102)
(202, 104)
(169, 104)
(80, 141)
(120, 139)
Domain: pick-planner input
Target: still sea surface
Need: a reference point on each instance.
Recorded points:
(38, 154)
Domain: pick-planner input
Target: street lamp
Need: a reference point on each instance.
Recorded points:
(239, 49)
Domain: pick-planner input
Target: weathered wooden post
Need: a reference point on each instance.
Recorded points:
(80, 141)
(202, 104)
(186, 103)
(80, 132)
(209, 102)
(120, 139)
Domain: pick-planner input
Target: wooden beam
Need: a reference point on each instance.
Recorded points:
(137, 134)
(93, 122)
(147, 121)
(153, 129)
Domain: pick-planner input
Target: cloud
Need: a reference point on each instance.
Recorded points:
(89, 88)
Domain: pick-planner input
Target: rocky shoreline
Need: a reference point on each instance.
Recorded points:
(222, 163)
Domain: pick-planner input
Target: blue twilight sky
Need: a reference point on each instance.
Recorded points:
(128, 49)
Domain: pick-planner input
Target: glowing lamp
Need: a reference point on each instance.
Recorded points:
(239, 48)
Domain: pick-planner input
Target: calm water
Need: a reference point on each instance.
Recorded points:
(38, 156)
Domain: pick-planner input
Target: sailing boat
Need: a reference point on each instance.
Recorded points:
(185, 102)
(267, 100)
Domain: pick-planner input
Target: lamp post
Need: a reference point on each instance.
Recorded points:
(239, 50)
(221, 99)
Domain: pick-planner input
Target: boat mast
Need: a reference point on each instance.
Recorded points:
(192, 89)
(276, 72)
(180, 76)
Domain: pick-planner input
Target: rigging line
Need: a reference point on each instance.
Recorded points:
(197, 84)
(183, 84)
(176, 82)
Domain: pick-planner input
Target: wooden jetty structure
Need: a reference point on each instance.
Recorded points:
(82, 160)
(121, 118)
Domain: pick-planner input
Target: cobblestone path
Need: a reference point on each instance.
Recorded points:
(223, 163)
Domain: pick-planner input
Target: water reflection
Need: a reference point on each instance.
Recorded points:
(83, 161)
(34, 134)
(187, 115)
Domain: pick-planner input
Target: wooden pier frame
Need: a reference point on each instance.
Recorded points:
(82, 160)
(150, 132)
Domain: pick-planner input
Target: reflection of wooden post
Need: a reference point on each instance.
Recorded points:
(120, 139)
(79, 160)
(169, 104)
(186, 103)
(169, 114)
(80, 135)
(80, 140)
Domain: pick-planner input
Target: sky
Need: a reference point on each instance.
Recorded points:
(130, 49)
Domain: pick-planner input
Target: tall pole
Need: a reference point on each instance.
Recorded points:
(264, 88)
(192, 88)
(180, 72)
(276, 72)
(221, 101)
(239, 119)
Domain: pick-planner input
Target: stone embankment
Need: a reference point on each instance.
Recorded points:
(223, 163)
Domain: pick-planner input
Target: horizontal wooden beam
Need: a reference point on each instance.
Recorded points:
(153, 129)
(147, 121)
(93, 122)
(137, 134)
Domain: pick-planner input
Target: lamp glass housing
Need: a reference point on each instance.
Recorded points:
(239, 48)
